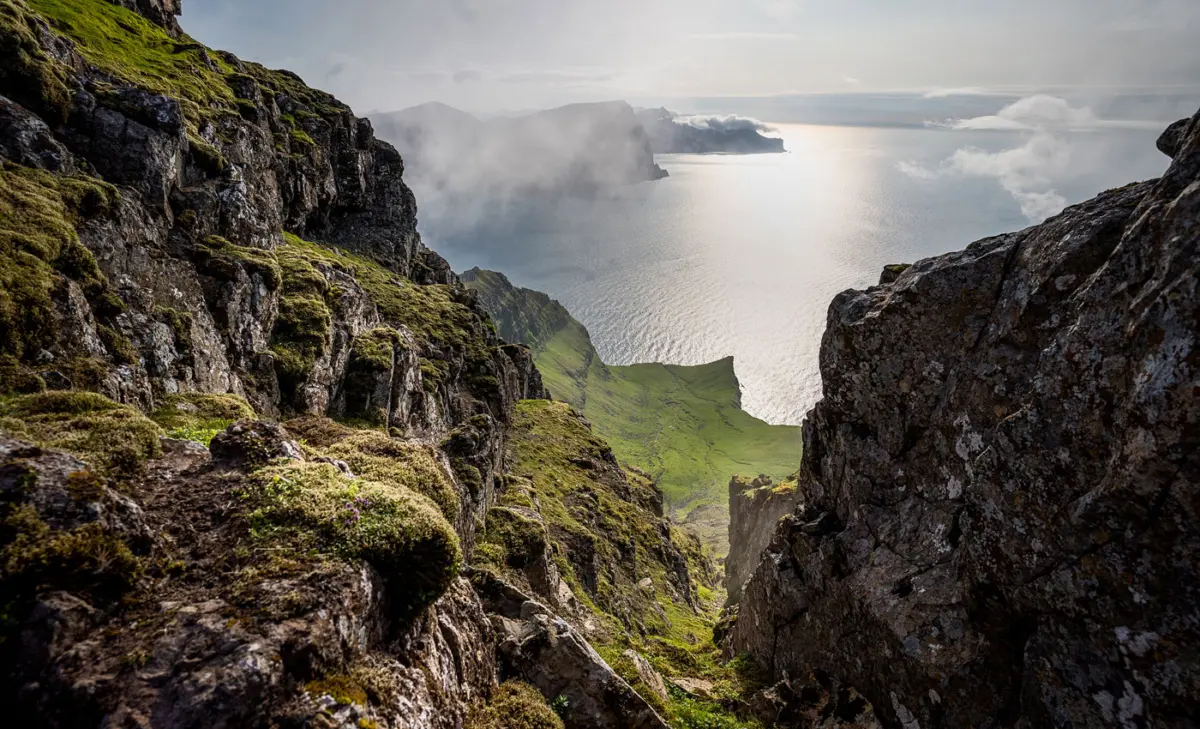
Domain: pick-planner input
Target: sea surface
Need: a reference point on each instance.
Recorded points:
(742, 255)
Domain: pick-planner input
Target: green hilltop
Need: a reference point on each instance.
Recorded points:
(682, 425)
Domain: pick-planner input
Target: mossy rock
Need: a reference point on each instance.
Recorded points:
(437, 315)
(515, 705)
(34, 557)
(27, 74)
(376, 456)
(40, 249)
(117, 439)
(522, 538)
(221, 259)
(314, 508)
(200, 416)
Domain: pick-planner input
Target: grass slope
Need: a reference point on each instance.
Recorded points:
(682, 425)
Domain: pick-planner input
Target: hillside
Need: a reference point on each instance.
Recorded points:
(264, 461)
(682, 425)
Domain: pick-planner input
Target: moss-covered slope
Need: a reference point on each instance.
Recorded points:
(643, 583)
(682, 425)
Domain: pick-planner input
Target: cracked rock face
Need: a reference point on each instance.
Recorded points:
(1000, 485)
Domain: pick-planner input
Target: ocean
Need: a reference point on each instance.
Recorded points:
(741, 255)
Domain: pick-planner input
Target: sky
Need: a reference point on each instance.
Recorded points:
(496, 55)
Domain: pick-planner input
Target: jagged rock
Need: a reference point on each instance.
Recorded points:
(816, 703)
(545, 651)
(647, 675)
(250, 443)
(754, 508)
(697, 687)
(1171, 141)
(1001, 480)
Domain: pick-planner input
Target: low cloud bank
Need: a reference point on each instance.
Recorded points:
(1028, 172)
(727, 123)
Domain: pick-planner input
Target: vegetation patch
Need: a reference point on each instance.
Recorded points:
(127, 46)
(39, 248)
(115, 439)
(564, 477)
(315, 509)
(514, 705)
(437, 315)
(222, 260)
(200, 417)
(516, 538)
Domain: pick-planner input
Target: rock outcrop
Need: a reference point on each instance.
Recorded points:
(755, 505)
(1000, 485)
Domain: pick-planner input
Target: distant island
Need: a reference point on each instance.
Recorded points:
(672, 133)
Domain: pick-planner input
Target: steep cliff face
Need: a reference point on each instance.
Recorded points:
(999, 489)
(755, 505)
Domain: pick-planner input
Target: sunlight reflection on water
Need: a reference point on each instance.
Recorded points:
(742, 255)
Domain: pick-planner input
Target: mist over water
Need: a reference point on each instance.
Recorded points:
(742, 255)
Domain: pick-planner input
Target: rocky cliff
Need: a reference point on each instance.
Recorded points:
(755, 505)
(999, 489)
(252, 432)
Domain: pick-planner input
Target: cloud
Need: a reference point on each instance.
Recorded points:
(851, 80)
(1031, 113)
(336, 70)
(726, 123)
(1028, 172)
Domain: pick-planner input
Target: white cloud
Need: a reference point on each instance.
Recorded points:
(727, 123)
(852, 80)
(1029, 172)
(1031, 113)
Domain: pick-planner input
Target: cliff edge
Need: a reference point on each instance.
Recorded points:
(997, 521)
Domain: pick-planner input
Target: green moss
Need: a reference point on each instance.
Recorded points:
(520, 539)
(221, 259)
(127, 46)
(378, 457)
(514, 705)
(39, 247)
(119, 347)
(344, 690)
(181, 326)
(303, 329)
(27, 74)
(313, 508)
(207, 157)
(438, 316)
(200, 417)
(16, 378)
(35, 557)
(117, 439)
